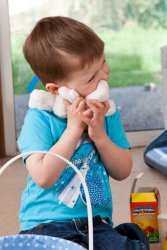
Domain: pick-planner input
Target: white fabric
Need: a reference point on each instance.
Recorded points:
(43, 100)
(71, 193)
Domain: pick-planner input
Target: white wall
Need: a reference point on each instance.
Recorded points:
(7, 81)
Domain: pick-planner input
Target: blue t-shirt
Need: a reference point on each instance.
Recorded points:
(65, 200)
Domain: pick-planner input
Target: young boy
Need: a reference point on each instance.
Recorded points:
(64, 52)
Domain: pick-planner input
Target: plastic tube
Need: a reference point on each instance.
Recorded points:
(89, 207)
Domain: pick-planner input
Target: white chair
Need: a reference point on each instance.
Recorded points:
(26, 242)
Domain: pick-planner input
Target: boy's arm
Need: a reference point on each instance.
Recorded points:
(117, 161)
(45, 169)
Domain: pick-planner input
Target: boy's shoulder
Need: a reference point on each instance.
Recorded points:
(37, 113)
(40, 117)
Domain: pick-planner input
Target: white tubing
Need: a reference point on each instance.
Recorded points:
(89, 207)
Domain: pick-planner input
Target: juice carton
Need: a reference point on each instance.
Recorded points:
(145, 208)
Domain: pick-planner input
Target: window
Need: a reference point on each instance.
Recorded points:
(132, 50)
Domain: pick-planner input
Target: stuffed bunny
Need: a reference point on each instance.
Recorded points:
(43, 100)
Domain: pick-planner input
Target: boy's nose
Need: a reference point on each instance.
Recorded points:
(106, 68)
(103, 76)
(104, 72)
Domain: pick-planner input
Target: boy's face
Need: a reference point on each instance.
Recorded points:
(86, 80)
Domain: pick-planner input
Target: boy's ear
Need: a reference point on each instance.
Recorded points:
(52, 88)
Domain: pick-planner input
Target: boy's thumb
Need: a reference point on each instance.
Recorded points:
(66, 103)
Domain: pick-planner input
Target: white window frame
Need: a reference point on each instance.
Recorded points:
(164, 81)
(7, 81)
(137, 138)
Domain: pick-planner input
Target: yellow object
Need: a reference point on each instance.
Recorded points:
(143, 197)
(164, 245)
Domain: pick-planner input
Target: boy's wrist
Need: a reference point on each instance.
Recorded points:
(74, 131)
(100, 140)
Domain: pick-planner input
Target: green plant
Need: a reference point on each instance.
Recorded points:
(132, 54)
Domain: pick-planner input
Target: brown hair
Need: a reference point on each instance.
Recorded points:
(54, 42)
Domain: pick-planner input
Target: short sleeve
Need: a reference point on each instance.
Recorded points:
(116, 131)
(36, 133)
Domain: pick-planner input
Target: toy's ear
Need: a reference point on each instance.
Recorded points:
(101, 93)
(52, 88)
(67, 93)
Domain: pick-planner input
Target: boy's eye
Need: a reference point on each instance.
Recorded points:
(91, 78)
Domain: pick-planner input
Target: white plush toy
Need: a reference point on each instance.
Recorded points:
(43, 100)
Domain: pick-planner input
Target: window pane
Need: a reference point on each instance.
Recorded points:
(133, 32)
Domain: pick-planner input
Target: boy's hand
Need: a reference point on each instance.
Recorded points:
(94, 117)
(74, 121)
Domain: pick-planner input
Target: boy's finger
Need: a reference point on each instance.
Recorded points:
(87, 113)
(77, 101)
(66, 103)
(96, 103)
(85, 119)
(94, 108)
(81, 105)
(106, 105)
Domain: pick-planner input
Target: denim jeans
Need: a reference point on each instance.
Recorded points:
(126, 236)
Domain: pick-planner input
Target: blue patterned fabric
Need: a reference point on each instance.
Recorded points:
(66, 199)
(36, 242)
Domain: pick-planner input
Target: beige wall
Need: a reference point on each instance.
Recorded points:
(2, 143)
(6, 90)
